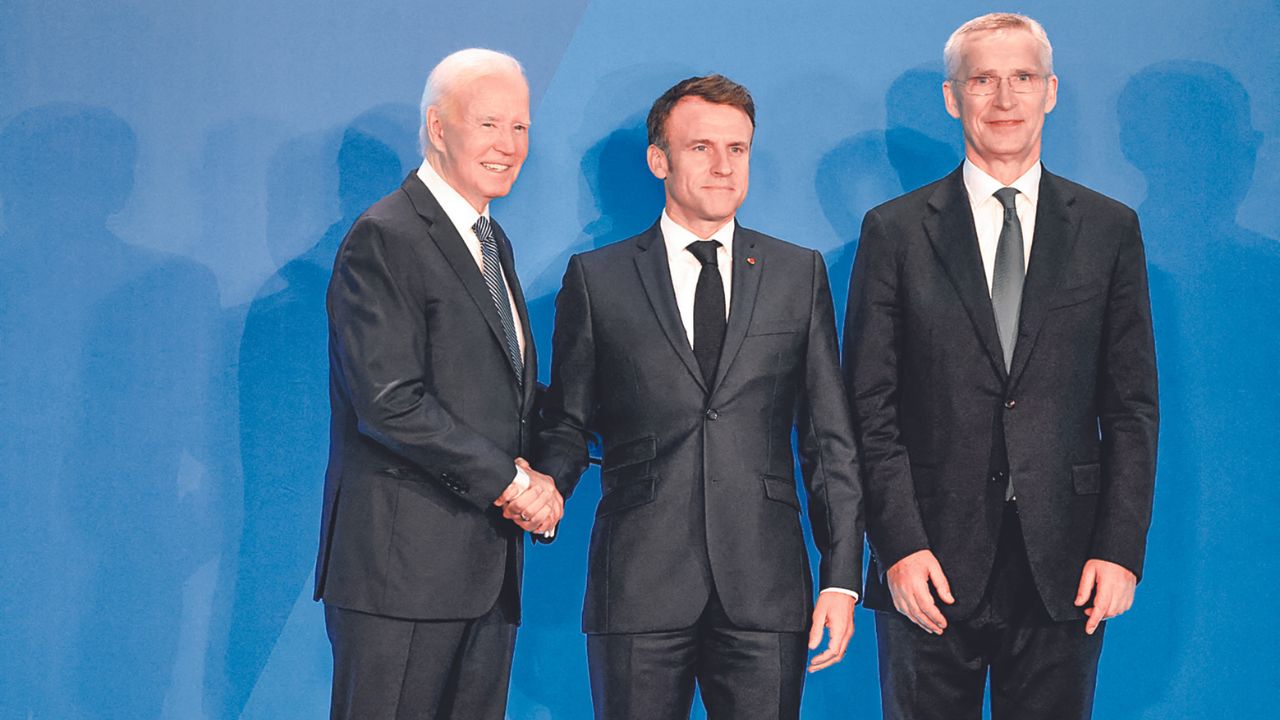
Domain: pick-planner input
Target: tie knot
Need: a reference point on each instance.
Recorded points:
(1006, 197)
(704, 250)
(483, 230)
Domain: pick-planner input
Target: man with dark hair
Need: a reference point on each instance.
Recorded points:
(1001, 371)
(692, 350)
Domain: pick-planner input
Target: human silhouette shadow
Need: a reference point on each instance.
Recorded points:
(920, 143)
(283, 384)
(1187, 127)
(104, 377)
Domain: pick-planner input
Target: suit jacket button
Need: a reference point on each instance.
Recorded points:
(1010, 404)
(712, 414)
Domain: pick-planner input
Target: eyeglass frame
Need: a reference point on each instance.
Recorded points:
(1038, 86)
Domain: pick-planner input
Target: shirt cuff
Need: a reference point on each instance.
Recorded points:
(842, 591)
(521, 479)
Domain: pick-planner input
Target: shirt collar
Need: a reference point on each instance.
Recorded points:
(981, 186)
(677, 237)
(460, 212)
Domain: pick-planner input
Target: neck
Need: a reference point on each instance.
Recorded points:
(1006, 170)
(704, 229)
(437, 163)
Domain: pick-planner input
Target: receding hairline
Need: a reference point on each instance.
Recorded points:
(455, 71)
(995, 22)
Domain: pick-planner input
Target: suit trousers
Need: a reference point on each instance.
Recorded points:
(742, 674)
(1040, 669)
(387, 668)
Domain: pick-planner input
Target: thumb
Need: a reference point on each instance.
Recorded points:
(940, 583)
(815, 632)
(1086, 584)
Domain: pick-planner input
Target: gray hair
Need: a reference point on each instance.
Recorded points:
(456, 70)
(996, 21)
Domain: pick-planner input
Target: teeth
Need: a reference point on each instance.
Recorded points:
(495, 167)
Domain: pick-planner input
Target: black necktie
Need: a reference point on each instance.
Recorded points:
(708, 310)
(492, 272)
(1009, 273)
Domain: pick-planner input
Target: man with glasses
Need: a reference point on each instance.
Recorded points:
(1001, 369)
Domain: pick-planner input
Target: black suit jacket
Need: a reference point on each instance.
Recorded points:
(942, 425)
(427, 417)
(699, 488)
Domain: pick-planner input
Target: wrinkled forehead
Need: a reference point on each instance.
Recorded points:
(1001, 49)
(503, 95)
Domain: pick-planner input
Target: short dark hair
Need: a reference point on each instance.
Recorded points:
(715, 88)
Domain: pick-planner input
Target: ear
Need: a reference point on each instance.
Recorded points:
(658, 163)
(949, 97)
(435, 129)
(1051, 94)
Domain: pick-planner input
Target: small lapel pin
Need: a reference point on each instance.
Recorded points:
(751, 261)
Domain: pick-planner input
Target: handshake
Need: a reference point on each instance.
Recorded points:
(537, 507)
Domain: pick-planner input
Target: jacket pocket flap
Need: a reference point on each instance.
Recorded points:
(1087, 478)
(1067, 297)
(781, 490)
(630, 453)
(627, 495)
(776, 326)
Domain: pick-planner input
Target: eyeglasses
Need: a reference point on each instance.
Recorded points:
(1021, 83)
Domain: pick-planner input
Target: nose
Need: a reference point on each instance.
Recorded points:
(1004, 93)
(505, 142)
(720, 165)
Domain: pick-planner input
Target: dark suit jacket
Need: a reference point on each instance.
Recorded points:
(427, 417)
(942, 425)
(699, 488)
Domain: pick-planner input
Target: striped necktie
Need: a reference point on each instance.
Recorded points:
(492, 271)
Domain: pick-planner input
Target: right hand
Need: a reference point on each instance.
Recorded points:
(537, 509)
(909, 580)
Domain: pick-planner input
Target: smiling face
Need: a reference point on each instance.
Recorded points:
(479, 136)
(707, 164)
(1001, 130)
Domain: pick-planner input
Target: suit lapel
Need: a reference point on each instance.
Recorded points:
(1056, 228)
(951, 231)
(655, 276)
(445, 236)
(746, 283)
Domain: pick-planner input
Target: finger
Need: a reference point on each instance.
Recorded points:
(511, 493)
(939, 580)
(929, 609)
(523, 464)
(919, 617)
(1086, 585)
(825, 660)
(815, 632)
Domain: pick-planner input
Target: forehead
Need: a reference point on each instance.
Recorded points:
(498, 95)
(695, 117)
(1003, 49)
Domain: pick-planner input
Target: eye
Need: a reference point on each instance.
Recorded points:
(981, 80)
(738, 150)
(1024, 77)
(488, 124)
(521, 128)
(699, 148)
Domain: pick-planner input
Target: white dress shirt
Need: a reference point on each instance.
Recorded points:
(685, 269)
(988, 213)
(464, 217)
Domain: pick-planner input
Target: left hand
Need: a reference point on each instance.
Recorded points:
(833, 611)
(1111, 586)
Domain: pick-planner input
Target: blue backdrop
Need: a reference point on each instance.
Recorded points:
(175, 178)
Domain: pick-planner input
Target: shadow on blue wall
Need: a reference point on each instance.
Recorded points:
(106, 501)
(1187, 127)
(283, 389)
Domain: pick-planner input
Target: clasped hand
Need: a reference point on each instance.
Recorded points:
(537, 508)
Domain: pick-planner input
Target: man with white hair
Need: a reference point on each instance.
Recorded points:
(1001, 370)
(432, 381)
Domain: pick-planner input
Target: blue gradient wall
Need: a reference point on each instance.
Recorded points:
(175, 178)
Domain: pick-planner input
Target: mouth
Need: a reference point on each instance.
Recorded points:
(1004, 123)
(495, 167)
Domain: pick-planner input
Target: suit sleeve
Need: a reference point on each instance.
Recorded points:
(1128, 412)
(568, 406)
(379, 337)
(828, 455)
(872, 346)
